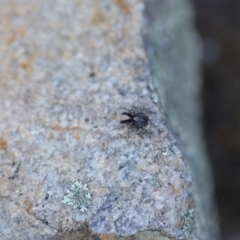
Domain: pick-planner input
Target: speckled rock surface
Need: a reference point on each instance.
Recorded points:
(67, 70)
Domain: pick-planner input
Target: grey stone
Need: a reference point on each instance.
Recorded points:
(15, 223)
(174, 53)
(68, 68)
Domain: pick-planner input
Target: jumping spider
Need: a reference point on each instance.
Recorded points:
(138, 117)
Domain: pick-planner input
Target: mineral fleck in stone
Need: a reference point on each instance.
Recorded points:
(78, 196)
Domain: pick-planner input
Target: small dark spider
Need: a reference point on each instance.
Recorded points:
(138, 118)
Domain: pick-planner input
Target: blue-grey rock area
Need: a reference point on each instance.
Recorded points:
(68, 70)
(174, 51)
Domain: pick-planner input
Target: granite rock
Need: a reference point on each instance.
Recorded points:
(174, 52)
(68, 69)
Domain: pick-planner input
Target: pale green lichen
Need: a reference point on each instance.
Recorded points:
(154, 181)
(188, 223)
(155, 233)
(78, 196)
(166, 151)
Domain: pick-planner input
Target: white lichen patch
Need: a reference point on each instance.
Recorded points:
(78, 196)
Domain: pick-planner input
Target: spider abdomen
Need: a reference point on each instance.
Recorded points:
(141, 120)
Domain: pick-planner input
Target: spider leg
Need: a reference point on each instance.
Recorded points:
(126, 121)
(137, 128)
(140, 133)
(140, 128)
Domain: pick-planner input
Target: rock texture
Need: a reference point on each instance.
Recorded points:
(68, 69)
(174, 51)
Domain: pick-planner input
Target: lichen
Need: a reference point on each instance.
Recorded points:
(154, 181)
(78, 196)
(155, 233)
(188, 223)
(166, 151)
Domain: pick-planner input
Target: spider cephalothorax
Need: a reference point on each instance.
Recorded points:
(138, 118)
